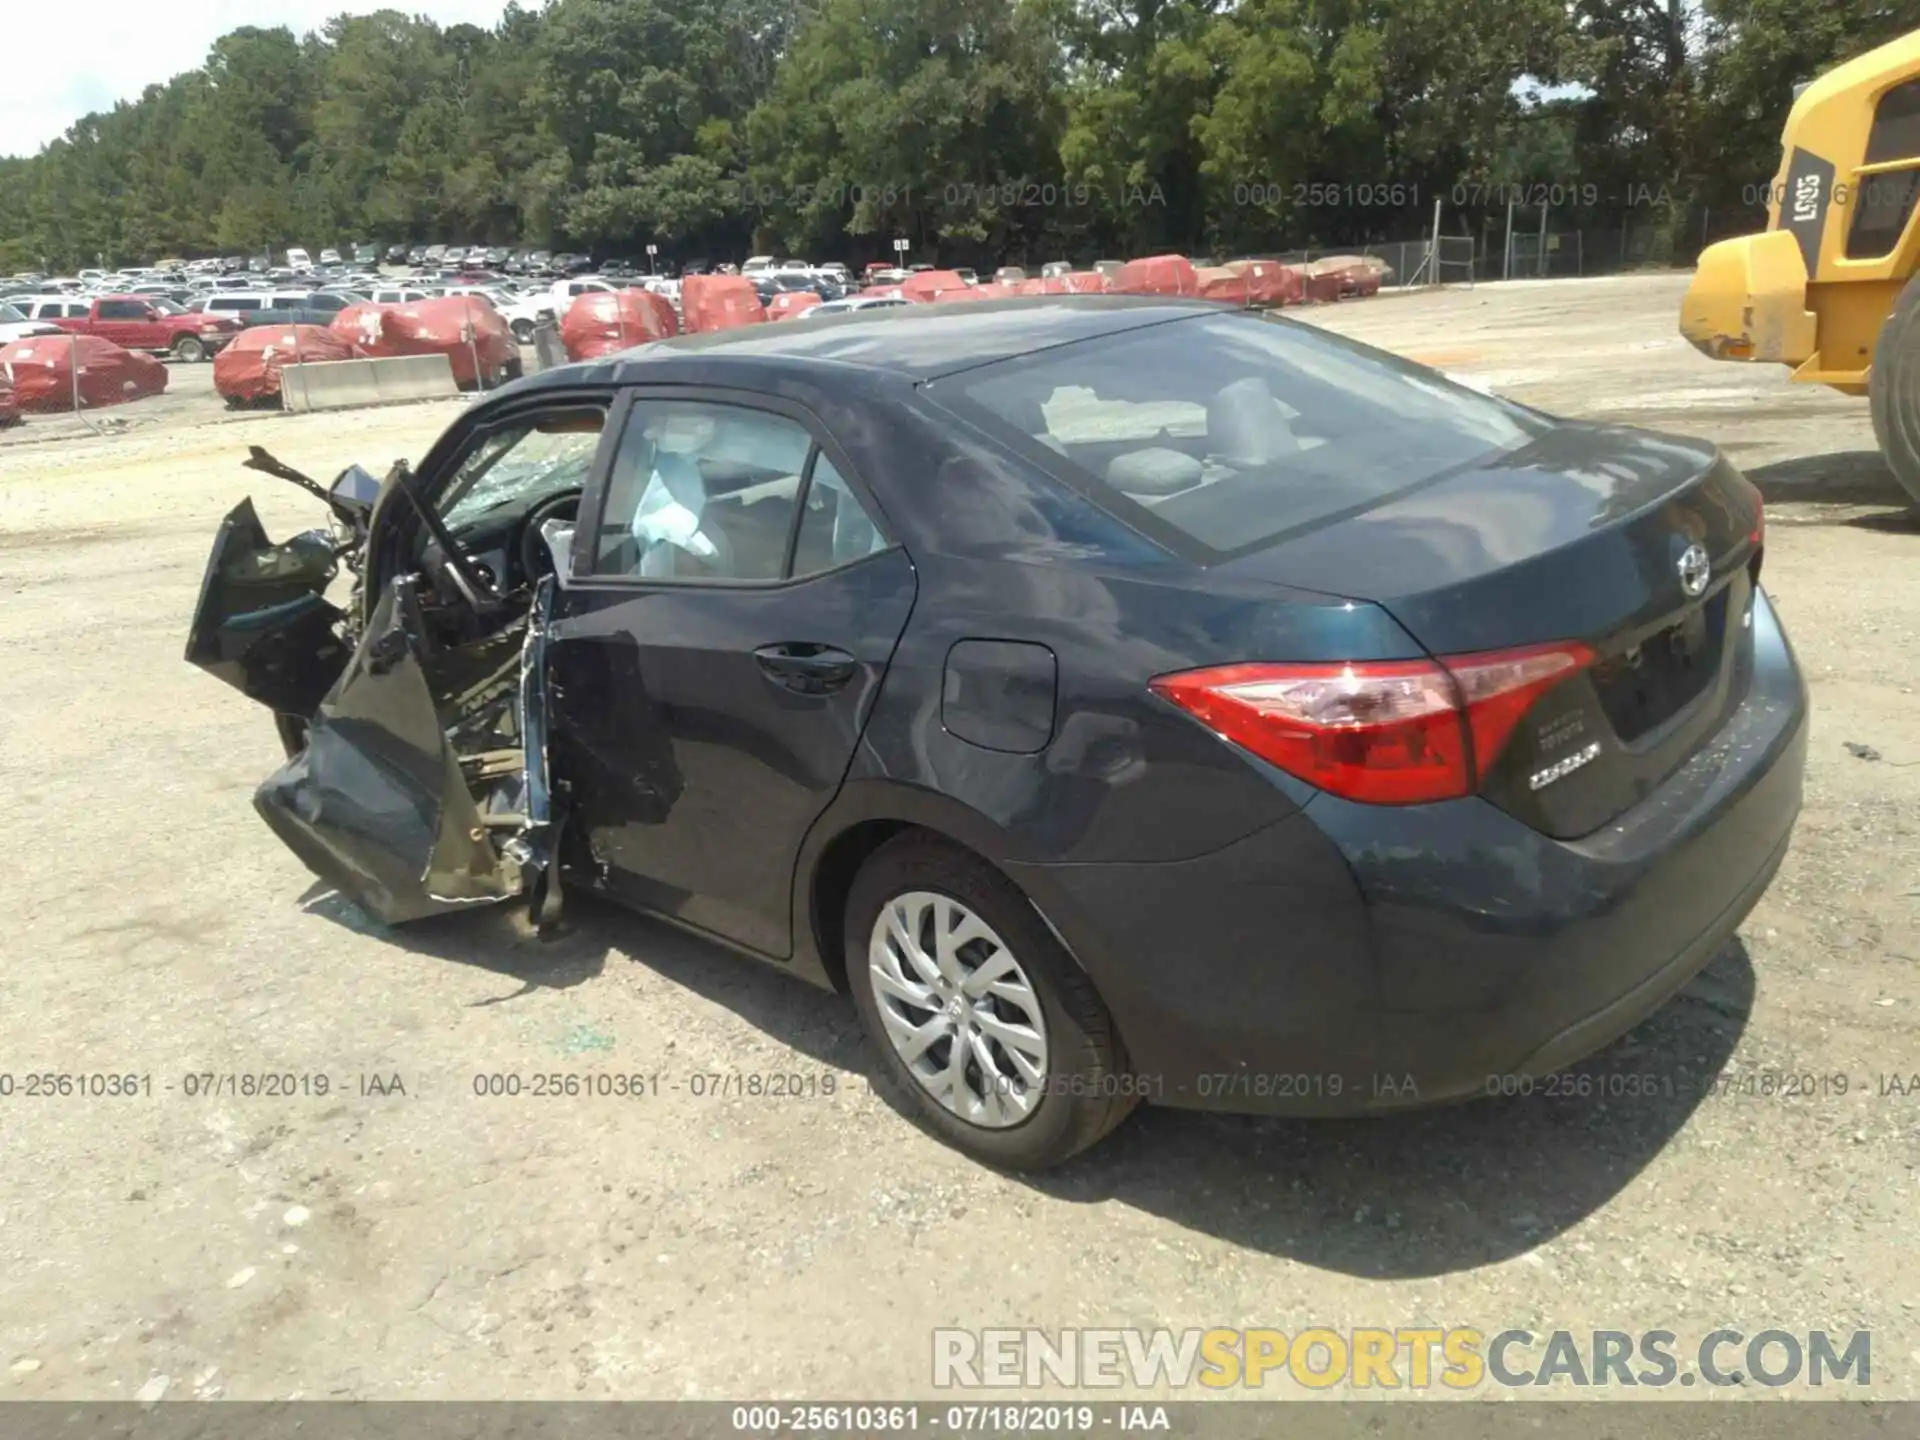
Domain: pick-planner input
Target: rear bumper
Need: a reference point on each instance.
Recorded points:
(1748, 301)
(1356, 958)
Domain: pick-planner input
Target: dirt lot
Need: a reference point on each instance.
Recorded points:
(435, 1244)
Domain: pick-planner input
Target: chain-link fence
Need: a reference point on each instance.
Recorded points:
(1541, 246)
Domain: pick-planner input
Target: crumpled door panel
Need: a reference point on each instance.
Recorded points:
(262, 623)
(377, 804)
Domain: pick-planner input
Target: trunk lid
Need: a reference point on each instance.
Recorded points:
(1645, 547)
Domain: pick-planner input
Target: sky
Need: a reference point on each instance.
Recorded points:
(126, 45)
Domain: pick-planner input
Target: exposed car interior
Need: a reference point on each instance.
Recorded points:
(695, 491)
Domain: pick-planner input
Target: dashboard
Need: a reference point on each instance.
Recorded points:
(503, 543)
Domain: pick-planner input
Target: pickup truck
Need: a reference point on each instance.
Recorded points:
(134, 323)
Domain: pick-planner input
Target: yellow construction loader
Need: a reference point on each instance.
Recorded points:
(1829, 287)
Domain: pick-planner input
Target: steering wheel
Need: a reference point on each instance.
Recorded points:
(536, 561)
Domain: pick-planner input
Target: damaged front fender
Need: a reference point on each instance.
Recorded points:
(423, 785)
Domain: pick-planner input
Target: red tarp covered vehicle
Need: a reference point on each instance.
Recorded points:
(789, 303)
(1319, 284)
(1156, 275)
(1074, 282)
(1269, 282)
(929, 284)
(1217, 282)
(41, 370)
(1359, 274)
(249, 368)
(989, 291)
(719, 302)
(465, 329)
(1338, 276)
(608, 321)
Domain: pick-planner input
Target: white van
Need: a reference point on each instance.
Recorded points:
(299, 260)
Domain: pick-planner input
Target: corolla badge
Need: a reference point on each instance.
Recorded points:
(1696, 568)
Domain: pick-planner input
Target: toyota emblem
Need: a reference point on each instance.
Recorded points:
(1695, 569)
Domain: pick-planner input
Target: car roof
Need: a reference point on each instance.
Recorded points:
(920, 342)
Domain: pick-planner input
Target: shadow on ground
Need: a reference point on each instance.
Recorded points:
(1845, 477)
(1419, 1193)
(499, 939)
(1434, 1191)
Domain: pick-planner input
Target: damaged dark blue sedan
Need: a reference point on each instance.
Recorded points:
(1120, 699)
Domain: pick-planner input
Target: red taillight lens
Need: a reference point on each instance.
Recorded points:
(1400, 732)
(1757, 536)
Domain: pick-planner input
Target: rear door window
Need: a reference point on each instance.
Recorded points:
(1219, 434)
(700, 490)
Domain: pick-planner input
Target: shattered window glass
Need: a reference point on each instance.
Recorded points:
(523, 464)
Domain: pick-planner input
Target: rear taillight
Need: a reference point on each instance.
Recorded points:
(1395, 732)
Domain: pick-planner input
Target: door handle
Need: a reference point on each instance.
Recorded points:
(806, 668)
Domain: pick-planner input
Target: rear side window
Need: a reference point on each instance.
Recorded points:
(1220, 434)
(123, 310)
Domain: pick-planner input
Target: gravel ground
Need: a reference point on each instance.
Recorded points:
(426, 1243)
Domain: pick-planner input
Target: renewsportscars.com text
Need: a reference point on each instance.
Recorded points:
(1415, 1358)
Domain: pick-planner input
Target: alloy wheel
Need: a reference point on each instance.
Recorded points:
(961, 1012)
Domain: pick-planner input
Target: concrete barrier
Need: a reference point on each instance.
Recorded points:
(547, 349)
(339, 384)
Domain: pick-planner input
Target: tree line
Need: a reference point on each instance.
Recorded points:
(978, 130)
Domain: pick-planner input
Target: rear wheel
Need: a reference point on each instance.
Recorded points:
(523, 331)
(1893, 390)
(977, 1012)
(189, 350)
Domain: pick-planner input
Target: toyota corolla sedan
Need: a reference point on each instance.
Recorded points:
(1119, 699)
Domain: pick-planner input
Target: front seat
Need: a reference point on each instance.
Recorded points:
(667, 524)
(1246, 427)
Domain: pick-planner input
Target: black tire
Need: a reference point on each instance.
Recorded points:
(1893, 390)
(1089, 1087)
(523, 331)
(189, 350)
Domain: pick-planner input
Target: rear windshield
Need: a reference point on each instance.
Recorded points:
(1220, 434)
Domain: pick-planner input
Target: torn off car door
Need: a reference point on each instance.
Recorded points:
(423, 786)
(263, 623)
